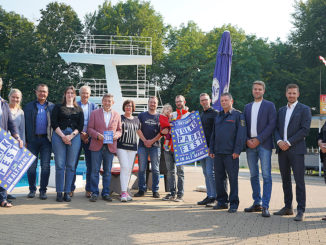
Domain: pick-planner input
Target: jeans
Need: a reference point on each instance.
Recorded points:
(97, 157)
(225, 164)
(65, 157)
(126, 159)
(170, 165)
(88, 160)
(208, 171)
(43, 147)
(154, 153)
(3, 194)
(253, 155)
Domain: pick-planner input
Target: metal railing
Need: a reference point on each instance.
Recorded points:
(108, 44)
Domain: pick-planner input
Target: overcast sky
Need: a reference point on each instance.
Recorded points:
(264, 18)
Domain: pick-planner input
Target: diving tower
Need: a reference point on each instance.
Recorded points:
(113, 51)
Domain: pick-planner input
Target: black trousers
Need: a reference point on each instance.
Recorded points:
(288, 160)
(224, 165)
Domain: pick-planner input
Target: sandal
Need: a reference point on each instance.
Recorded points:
(324, 218)
(88, 194)
(6, 204)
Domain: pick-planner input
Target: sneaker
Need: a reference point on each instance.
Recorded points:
(156, 195)
(59, 197)
(178, 199)
(139, 194)
(93, 198)
(107, 198)
(43, 195)
(168, 197)
(124, 197)
(31, 194)
(129, 198)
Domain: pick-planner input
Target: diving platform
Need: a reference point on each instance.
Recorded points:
(113, 51)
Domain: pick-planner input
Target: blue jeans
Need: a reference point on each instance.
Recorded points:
(3, 194)
(65, 158)
(154, 153)
(43, 147)
(170, 165)
(253, 155)
(97, 157)
(88, 160)
(208, 170)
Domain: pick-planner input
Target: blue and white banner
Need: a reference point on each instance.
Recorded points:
(14, 161)
(188, 139)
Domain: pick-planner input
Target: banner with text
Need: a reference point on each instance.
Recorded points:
(188, 139)
(14, 161)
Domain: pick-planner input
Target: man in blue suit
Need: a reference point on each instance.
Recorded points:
(292, 126)
(260, 117)
(88, 107)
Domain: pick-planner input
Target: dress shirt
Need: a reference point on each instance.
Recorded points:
(41, 119)
(289, 111)
(107, 117)
(85, 108)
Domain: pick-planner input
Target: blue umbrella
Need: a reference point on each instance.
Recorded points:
(222, 72)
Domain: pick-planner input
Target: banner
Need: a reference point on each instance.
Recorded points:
(188, 139)
(14, 161)
(323, 104)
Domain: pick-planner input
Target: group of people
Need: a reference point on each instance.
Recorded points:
(71, 126)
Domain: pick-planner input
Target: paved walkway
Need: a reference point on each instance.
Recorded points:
(150, 221)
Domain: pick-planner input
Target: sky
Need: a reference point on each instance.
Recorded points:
(265, 18)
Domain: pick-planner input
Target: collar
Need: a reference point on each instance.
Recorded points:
(292, 106)
(104, 111)
(229, 112)
(81, 103)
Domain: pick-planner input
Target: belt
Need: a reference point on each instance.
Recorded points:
(41, 135)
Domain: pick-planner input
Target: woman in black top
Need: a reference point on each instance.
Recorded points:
(67, 121)
(127, 146)
(322, 145)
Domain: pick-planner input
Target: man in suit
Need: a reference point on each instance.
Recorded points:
(103, 120)
(260, 117)
(7, 124)
(292, 126)
(88, 107)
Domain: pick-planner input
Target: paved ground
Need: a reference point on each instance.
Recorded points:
(150, 221)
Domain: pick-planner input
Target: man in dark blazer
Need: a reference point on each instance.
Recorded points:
(260, 117)
(293, 124)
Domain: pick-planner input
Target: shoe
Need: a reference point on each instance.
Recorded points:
(211, 204)
(299, 217)
(88, 194)
(220, 206)
(71, 194)
(156, 195)
(204, 202)
(93, 198)
(129, 198)
(140, 194)
(59, 197)
(43, 195)
(124, 197)
(31, 194)
(284, 211)
(254, 208)
(265, 213)
(324, 218)
(168, 197)
(178, 199)
(107, 198)
(9, 196)
(67, 197)
(232, 210)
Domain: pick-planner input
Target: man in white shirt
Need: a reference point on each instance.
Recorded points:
(292, 127)
(260, 118)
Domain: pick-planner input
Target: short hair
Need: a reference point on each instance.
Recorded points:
(126, 102)
(152, 97)
(15, 90)
(42, 85)
(261, 83)
(1, 82)
(204, 94)
(227, 94)
(107, 96)
(180, 96)
(86, 87)
(167, 107)
(292, 85)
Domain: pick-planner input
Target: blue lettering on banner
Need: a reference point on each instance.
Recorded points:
(188, 139)
(14, 161)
